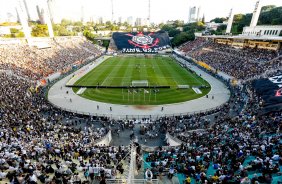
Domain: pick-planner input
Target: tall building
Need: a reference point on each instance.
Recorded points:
(120, 20)
(192, 14)
(100, 20)
(138, 21)
(130, 20)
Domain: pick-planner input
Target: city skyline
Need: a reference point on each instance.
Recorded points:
(160, 11)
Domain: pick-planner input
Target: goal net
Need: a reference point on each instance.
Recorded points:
(137, 83)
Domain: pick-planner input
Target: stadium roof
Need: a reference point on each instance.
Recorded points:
(244, 37)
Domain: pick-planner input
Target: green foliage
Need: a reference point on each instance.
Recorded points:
(14, 30)
(182, 38)
(20, 34)
(78, 23)
(106, 44)
(60, 30)
(167, 27)
(186, 35)
(219, 20)
(65, 22)
(267, 8)
(270, 15)
(221, 29)
(40, 30)
(273, 16)
(16, 33)
(178, 23)
(241, 21)
(89, 35)
(173, 32)
(196, 27)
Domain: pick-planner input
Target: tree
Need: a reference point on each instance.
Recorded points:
(14, 30)
(240, 21)
(203, 19)
(167, 27)
(173, 32)
(90, 36)
(220, 29)
(182, 38)
(219, 19)
(65, 22)
(20, 34)
(273, 16)
(78, 24)
(267, 8)
(40, 30)
(178, 23)
(196, 26)
(106, 44)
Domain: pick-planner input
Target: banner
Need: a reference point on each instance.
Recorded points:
(141, 42)
(270, 89)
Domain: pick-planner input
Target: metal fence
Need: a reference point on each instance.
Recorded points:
(133, 181)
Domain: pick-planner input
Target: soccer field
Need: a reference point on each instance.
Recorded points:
(158, 71)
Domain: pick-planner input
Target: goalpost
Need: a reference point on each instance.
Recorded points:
(139, 83)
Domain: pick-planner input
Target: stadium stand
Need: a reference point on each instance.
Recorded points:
(39, 143)
(37, 63)
(235, 143)
(240, 63)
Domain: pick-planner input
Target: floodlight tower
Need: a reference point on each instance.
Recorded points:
(47, 18)
(23, 19)
(256, 14)
(230, 21)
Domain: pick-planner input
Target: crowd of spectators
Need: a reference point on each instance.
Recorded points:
(57, 55)
(191, 45)
(239, 63)
(42, 144)
(240, 147)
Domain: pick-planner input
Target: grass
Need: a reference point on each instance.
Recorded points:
(160, 71)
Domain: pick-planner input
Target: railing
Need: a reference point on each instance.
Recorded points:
(133, 181)
(106, 140)
(139, 117)
(172, 141)
(132, 165)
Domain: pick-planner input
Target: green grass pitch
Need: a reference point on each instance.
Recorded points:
(159, 71)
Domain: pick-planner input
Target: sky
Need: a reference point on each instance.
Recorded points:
(161, 10)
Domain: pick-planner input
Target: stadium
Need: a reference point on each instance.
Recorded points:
(121, 102)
